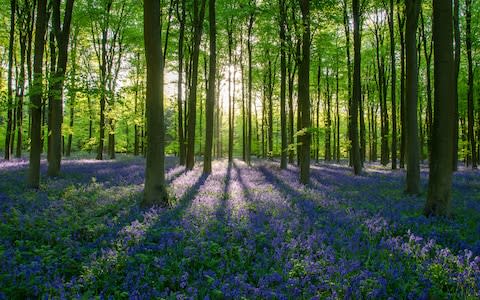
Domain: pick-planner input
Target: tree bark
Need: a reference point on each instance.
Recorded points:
(393, 86)
(283, 85)
(472, 153)
(248, 150)
(357, 93)
(72, 92)
(36, 95)
(8, 137)
(154, 192)
(413, 147)
(210, 101)
(428, 50)
(230, 96)
(62, 35)
(304, 94)
(199, 13)
(440, 177)
(456, 22)
(403, 136)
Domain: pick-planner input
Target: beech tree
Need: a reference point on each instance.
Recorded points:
(440, 176)
(36, 95)
(155, 190)
(210, 102)
(413, 147)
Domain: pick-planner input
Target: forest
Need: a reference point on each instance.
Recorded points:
(248, 149)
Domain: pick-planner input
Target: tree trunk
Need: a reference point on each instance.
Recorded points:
(403, 136)
(440, 177)
(357, 93)
(181, 38)
(328, 127)
(62, 35)
(36, 95)
(230, 96)
(346, 24)
(210, 101)
(472, 153)
(270, 87)
(393, 71)
(72, 92)
(21, 93)
(337, 113)
(154, 192)
(291, 139)
(248, 150)
(283, 85)
(199, 13)
(428, 50)
(456, 22)
(304, 94)
(361, 116)
(8, 137)
(413, 147)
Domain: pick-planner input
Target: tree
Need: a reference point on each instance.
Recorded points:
(413, 147)
(210, 102)
(61, 34)
(394, 86)
(357, 93)
(283, 84)
(155, 191)
(36, 95)
(472, 153)
(304, 95)
(8, 137)
(198, 15)
(251, 20)
(456, 22)
(181, 37)
(440, 177)
(72, 91)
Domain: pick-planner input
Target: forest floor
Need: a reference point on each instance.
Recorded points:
(251, 232)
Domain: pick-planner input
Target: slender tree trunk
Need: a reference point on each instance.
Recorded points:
(357, 93)
(291, 139)
(270, 87)
(8, 137)
(21, 95)
(230, 96)
(413, 147)
(403, 128)
(62, 35)
(456, 22)
(244, 125)
(72, 91)
(361, 116)
(440, 177)
(199, 13)
(210, 101)
(304, 94)
(328, 127)
(250, 86)
(472, 153)
(337, 112)
(181, 38)
(428, 50)
(36, 95)
(393, 66)
(154, 192)
(283, 85)
(346, 24)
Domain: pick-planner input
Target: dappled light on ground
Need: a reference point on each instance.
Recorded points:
(242, 231)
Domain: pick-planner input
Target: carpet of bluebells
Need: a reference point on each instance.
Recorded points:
(242, 232)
